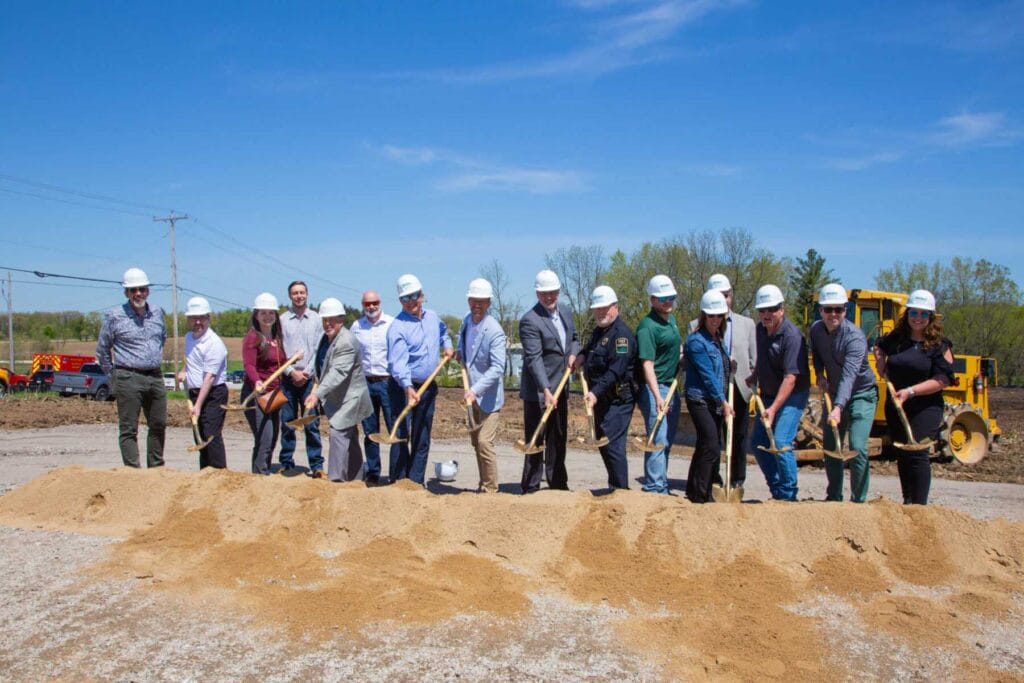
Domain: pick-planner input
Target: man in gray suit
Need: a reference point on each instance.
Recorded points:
(550, 345)
(740, 341)
(341, 391)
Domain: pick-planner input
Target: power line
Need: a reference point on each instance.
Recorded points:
(87, 195)
(70, 201)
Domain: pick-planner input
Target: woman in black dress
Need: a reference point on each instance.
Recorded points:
(918, 361)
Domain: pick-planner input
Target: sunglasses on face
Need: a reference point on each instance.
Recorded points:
(371, 303)
(773, 309)
(715, 315)
(835, 310)
(916, 313)
(409, 297)
(135, 290)
(665, 299)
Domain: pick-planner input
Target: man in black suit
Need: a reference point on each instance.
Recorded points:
(550, 345)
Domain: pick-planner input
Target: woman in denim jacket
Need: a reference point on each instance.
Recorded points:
(704, 389)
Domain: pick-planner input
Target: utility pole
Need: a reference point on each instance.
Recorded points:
(10, 320)
(171, 219)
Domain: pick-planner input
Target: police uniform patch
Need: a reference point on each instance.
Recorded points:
(604, 341)
(622, 345)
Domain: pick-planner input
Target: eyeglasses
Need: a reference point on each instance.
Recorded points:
(835, 310)
(773, 309)
(665, 299)
(715, 315)
(406, 298)
(917, 313)
(371, 303)
(135, 290)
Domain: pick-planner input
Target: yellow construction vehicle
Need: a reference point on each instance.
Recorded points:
(969, 432)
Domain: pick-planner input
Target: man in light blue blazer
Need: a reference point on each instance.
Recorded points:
(482, 352)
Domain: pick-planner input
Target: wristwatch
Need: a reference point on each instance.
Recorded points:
(911, 390)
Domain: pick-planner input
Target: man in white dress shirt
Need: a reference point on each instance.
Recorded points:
(371, 331)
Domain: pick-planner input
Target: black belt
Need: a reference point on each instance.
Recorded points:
(150, 372)
(377, 378)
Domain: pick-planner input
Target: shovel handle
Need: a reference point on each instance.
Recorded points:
(547, 411)
(728, 445)
(465, 384)
(419, 394)
(764, 420)
(649, 444)
(899, 409)
(586, 390)
(277, 373)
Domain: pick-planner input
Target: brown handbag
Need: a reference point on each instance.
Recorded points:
(271, 401)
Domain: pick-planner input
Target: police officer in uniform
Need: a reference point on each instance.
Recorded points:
(608, 361)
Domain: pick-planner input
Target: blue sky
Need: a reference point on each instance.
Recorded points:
(357, 141)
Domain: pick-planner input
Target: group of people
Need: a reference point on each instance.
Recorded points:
(381, 369)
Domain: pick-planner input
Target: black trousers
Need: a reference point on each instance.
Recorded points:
(740, 428)
(914, 467)
(612, 420)
(550, 463)
(211, 423)
(707, 454)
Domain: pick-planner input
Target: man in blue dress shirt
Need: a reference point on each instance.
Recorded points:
(415, 342)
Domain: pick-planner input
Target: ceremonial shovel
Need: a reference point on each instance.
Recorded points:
(728, 494)
(200, 444)
(390, 438)
(531, 448)
(648, 444)
(590, 440)
(247, 403)
(471, 423)
(838, 453)
(308, 417)
(767, 427)
(914, 445)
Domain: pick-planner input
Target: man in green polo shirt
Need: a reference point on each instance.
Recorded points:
(658, 341)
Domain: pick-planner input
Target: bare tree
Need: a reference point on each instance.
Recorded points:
(580, 269)
(507, 304)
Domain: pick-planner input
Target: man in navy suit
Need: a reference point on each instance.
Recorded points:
(550, 345)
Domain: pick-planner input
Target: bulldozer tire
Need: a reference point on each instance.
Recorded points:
(965, 435)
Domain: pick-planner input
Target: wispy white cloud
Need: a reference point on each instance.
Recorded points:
(462, 173)
(627, 33)
(960, 132)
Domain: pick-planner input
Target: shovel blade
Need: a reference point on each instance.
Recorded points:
(301, 421)
(768, 449)
(528, 448)
(918, 446)
(199, 446)
(719, 494)
(237, 407)
(587, 442)
(841, 455)
(648, 446)
(471, 424)
(385, 438)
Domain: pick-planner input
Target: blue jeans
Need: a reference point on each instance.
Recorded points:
(857, 418)
(656, 462)
(780, 468)
(371, 425)
(409, 458)
(290, 411)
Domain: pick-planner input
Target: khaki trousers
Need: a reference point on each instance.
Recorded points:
(483, 443)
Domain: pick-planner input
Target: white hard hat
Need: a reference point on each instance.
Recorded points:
(135, 277)
(331, 307)
(832, 294)
(480, 289)
(197, 305)
(602, 296)
(660, 285)
(713, 302)
(720, 282)
(921, 298)
(446, 471)
(546, 281)
(265, 302)
(409, 284)
(768, 296)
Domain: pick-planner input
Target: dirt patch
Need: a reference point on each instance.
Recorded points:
(698, 590)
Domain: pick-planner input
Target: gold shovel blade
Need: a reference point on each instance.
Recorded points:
(919, 446)
(301, 421)
(385, 438)
(528, 448)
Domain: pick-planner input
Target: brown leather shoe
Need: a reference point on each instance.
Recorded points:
(319, 474)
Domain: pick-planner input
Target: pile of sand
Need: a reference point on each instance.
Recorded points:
(728, 590)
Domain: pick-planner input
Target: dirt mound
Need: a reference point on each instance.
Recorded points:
(739, 591)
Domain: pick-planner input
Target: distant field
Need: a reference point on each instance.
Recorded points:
(88, 348)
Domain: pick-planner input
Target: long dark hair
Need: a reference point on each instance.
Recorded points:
(932, 333)
(275, 330)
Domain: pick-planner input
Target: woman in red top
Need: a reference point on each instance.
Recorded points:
(262, 354)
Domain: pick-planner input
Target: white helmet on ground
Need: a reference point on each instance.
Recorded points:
(768, 296)
(331, 307)
(480, 289)
(135, 277)
(660, 285)
(832, 294)
(921, 298)
(409, 284)
(713, 302)
(546, 281)
(197, 306)
(447, 470)
(265, 302)
(720, 282)
(602, 296)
